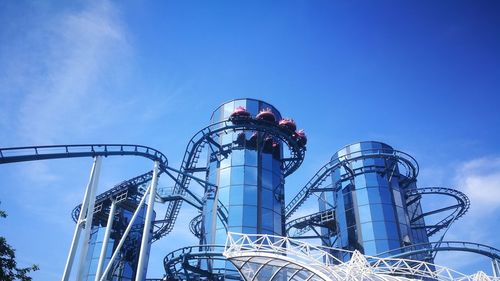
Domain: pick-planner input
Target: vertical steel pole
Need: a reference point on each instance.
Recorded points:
(496, 268)
(125, 234)
(88, 221)
(109, 228)
(148, 220)
(79, 223)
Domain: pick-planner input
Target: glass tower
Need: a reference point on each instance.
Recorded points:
(369, 195)
(248, 173)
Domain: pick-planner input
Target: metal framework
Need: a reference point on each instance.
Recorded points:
(205, 137)
(458, 209)
(267, 257)
(407, 162)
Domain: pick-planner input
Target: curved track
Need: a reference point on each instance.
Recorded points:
(314, 184)
(459, 209)
(186, 262)
(45, 152)
(461, 246)
(206, 137)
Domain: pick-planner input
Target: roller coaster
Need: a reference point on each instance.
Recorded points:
(184, 263)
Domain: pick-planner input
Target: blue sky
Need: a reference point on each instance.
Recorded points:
(422, 76)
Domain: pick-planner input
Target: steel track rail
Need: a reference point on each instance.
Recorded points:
(46, 152)
(461, 208)
(178, 262)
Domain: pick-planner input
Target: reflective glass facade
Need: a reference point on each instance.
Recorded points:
(249, 179)
(126, 268)
(371, 211)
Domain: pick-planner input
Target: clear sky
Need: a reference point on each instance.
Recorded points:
(423, 76)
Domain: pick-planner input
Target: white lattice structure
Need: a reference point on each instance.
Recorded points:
(267, 257)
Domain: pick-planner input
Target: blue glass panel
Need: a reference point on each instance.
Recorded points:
(225, 162)
(385, 195)
(253, 107)
(357, 164)
(276, 181)
(228, 109)
(367, 231)
(389, 213)
(223, 195)
(267, 179)
(371, 179)
(276, 167)
(267, 198)
(278, 226)
(250, 157)
(394, 244)
(379, 230)
(267, 161)
(374, 195)
(397, 198)
(237, 175)
(250, 195)
(267, 218)
(392, 230)
(249, 215)
(277, 204)
(236, 195)
(235, 215)
(238, 157)
(249, 230)
(362, 196)
(360, 181)
(224, 177)
(240, 103)
(350, 217)
(250, 175)
(382, 245)
(365, 214)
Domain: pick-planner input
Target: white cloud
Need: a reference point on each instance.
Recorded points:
(59, 78)
(480, 180)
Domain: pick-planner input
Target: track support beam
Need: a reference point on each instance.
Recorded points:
(109, 228)
(148, 220)
(85, 218)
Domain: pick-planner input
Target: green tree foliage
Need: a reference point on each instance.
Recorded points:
(8, 265)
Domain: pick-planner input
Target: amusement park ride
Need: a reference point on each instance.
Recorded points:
(129, 224)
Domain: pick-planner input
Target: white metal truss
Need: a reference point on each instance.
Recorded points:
(268, 257)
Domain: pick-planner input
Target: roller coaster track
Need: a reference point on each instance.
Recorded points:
(461, 246)
(129, 186)
(205, 137)
(459, 209)
(185, 261)
(45, 152)
(314, 184)
(305, 223)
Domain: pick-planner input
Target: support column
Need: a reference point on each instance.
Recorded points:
(125, 234)
(109, 228)
(496, 268)
(81, 219)
(88, 222)
(143, 259)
